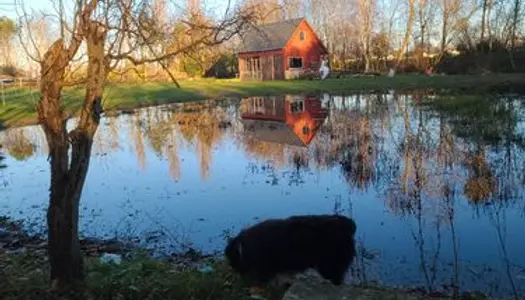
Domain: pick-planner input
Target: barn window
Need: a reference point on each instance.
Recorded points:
(297, 106)
(306, 130)
(302, 35)
(253, 64)
(295, 62)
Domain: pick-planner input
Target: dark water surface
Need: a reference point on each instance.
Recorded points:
(435, 184)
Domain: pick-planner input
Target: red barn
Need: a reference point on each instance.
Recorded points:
(282, 50)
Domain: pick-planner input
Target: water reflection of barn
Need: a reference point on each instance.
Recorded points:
(292, 120)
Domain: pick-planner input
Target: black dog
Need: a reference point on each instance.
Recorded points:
(287, 246)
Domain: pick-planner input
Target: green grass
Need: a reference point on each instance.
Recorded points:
(20, 107)
(25, 276)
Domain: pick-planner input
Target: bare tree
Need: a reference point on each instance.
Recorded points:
(515, 22)
(265, 11)
(366, 9)
(425, 20)
(408, 31)
(102, 27)
(7, 32)
(293, 9)
(448, 8)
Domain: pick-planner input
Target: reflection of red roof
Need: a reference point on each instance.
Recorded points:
(302, 115)
(272, 131)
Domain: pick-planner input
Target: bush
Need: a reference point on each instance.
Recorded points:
(309, 74)
(226, 67)
(8, 70)
(483, 59)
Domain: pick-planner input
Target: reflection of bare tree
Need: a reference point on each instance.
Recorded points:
(107, 137)
(204, 127)
(415, 196)
(18, 144)
(498, 218)
(448, 197)
(445, 150)
(358, 166)
(198, 124)
(135, 129)
(398, 200)
(172, 154)
(113, 133)
(351, 140)
(273, 152)
(481, 183)
(408, 195)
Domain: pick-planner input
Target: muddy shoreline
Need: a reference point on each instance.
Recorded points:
(15, 240)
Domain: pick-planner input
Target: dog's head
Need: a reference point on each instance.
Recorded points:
(234, 254)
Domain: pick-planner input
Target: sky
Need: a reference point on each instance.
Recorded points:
(7, 7)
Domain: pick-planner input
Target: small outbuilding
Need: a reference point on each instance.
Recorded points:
(282, 50)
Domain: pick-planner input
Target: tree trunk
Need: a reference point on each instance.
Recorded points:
(484, 20)
(515, 20)
(444, 28)
(488, 26)
(67, 178)
(408, 32)
(367, 62)
(422, 23)
(64, 252)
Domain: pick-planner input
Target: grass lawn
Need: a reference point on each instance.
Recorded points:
(20, 103)
(25, 276)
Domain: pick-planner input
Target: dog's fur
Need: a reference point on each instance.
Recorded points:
(289, 246)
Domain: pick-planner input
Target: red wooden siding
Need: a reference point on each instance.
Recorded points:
(310, 49)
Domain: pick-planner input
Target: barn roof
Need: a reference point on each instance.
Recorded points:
(270, 36)
(271, 131)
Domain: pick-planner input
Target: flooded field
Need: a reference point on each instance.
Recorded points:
(435, 184)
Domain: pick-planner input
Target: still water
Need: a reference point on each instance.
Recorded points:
(435, 184)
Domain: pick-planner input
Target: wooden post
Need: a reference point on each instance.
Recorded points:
(273, 67)
(3, 93)
(240, 68)
(252, 66)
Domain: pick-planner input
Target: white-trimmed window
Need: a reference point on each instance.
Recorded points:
(295, 62)
(297, 106)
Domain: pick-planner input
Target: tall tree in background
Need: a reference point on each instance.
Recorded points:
(292, 9)
(484, 18)
(408, 31)
(425, 20)
(264, 11)
(515, 23)
(448, 8)
(366, 9)
(7, 32)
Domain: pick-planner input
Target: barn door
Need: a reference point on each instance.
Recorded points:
(278, 67)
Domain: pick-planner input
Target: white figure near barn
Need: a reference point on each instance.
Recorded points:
(324, 70)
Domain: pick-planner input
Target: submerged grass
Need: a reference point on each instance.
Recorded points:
(20, 103)
(25, 276)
